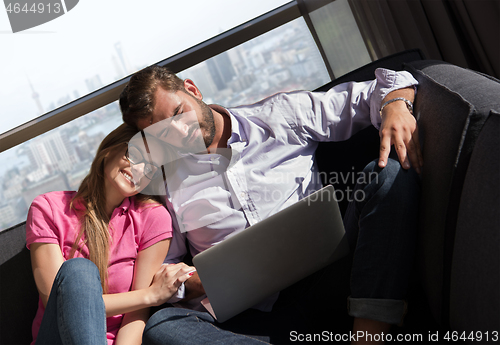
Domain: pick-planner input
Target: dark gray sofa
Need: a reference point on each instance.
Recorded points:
(459, 244)
(456, 284)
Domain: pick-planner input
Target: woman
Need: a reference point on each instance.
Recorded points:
(97, 254)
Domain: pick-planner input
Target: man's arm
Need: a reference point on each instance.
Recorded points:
(399, 128)
(346, 108)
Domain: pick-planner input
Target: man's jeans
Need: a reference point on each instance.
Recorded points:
(75, 312)
(381, 226)
(177, 326)
(382, 232)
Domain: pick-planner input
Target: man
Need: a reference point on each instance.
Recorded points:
(238, 166)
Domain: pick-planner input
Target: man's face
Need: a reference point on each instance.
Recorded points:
(182, 120)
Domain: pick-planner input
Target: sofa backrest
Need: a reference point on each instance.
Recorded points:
(475, 270)
(18, 293)
(452, 106)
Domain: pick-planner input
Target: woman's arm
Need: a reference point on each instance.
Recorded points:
(148, 268)
(46, 259)
(147, 264)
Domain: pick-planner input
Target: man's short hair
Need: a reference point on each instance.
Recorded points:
(137, 100)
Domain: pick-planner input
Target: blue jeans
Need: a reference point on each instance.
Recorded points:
(184, 327)
(382, 231)
(75, 312)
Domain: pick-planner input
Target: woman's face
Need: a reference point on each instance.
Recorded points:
(147, 156)
(118, 174)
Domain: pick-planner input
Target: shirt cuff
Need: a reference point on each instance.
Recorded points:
(387, 81)
(181, 293)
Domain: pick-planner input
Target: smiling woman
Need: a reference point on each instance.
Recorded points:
(124, 236)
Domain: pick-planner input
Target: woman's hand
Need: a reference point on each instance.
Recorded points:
(167, 280)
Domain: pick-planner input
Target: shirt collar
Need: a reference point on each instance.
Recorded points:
(125, 205)
(236, 133)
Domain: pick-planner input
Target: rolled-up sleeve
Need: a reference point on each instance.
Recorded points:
(40, 226)
(386, 82)
(157, 226)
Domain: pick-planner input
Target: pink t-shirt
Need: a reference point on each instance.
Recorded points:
(132, 229)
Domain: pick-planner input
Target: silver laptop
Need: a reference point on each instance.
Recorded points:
(271, 255)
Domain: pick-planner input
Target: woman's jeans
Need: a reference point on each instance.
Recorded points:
(75, 312)
(381, 227)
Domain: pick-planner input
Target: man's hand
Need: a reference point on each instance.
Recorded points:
(399, 128)
(193, 287)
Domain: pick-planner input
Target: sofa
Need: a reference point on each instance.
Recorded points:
(455, 288)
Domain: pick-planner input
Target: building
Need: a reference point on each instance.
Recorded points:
(52, 150)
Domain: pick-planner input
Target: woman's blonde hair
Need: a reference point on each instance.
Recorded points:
(90, 203)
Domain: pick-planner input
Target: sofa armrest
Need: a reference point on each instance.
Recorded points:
(19, 296)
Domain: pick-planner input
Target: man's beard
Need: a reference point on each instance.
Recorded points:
(208, 125)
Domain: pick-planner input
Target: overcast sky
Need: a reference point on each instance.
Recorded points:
(57, 57)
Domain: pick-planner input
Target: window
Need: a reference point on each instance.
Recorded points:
(282, 59)
(99, 42)
(340, 37)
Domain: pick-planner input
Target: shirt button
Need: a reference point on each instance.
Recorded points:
(243, 194)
